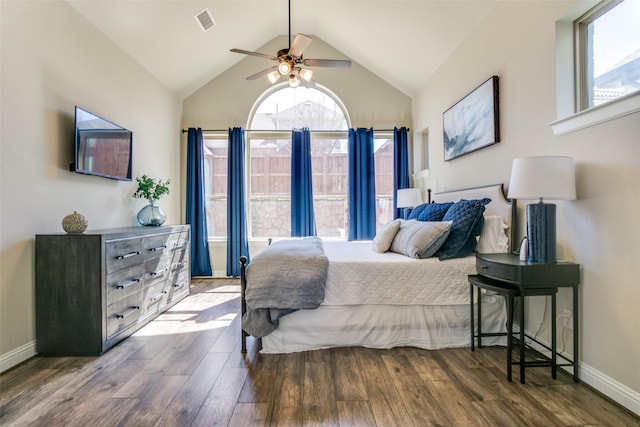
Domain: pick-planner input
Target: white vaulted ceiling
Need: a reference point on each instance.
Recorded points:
(402, 42)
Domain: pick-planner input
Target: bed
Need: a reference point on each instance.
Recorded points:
(386, 300)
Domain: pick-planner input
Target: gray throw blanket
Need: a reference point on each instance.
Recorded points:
(289, 275)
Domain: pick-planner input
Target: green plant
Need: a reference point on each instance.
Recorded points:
(150, 189)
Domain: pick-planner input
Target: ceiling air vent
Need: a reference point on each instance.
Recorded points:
(205, 20)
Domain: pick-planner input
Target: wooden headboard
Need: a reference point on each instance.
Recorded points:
(499, 204)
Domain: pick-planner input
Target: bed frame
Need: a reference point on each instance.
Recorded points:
(499, 205)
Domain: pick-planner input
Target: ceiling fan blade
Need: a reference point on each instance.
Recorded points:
(334, 63)
(262, 73)
(258, 54)
(299, 44)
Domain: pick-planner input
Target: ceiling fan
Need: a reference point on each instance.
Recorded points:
(290, 61)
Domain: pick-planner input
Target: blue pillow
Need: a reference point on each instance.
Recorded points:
(434, 212)
(416, 211)
(467, 217)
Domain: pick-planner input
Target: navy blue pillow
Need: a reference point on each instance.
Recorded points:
(434, 212)
(416, 211)
(467, 217)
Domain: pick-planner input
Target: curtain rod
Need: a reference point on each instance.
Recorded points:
(273, 130)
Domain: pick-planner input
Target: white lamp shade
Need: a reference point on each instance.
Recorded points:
(543, 177)
(408, 198)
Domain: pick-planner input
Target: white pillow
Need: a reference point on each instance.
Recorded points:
(382, 242)
(420, 239)
(493, 238)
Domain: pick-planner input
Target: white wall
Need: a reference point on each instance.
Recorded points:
(53, 59)
(599, 230)
(227, 101)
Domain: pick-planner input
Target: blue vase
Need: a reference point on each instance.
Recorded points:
(151, 215)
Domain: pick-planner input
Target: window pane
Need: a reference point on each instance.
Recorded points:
(215, 185)
(290, 108)
(329, 165)
(613, 66)
(384, 180)
(270, 188)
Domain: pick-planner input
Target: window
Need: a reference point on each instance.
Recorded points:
(608, 52)
(281, 109)
(269, 143)
(215, 185)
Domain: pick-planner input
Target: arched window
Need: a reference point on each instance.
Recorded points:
(274, 115)
(285, 108)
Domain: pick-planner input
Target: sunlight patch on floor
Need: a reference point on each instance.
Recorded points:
(174, 328)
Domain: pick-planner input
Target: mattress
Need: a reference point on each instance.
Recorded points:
(360, 276)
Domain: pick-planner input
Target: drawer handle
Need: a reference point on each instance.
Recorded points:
(179, 285)
(484, 267)
(159, 248)
(127, 284)
(178, 265)
(157, 273)
(129, 255)
(157, 297)
(128, 312)
(179, 245)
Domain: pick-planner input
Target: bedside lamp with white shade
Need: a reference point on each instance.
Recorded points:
(542, 177)
(408, 198)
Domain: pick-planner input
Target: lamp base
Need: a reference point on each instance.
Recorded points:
(541, 233)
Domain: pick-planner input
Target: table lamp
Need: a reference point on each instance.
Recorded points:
(408, 198)
(542, 177)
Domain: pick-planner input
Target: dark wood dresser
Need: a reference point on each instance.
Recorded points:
(97, 288)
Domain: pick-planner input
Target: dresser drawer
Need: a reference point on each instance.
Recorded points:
(157, 271)
(121, 254)
(124, 313)
(155, 297)
(179, 286)
(497, 271)
(159, 246)
(123, 283)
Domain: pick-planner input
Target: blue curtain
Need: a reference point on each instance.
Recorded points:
(237, 240)
(362, 185)
(303, 221)
(196, 205)
(400, 166)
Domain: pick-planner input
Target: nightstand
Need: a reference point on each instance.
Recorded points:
(520, 279)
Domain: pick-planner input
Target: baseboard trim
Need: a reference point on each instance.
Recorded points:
(614, 390)
(611, 388)
(16, 356)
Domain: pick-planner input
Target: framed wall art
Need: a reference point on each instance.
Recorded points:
(473, 122)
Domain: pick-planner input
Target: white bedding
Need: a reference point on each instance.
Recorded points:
(359, 275)
(388, 300)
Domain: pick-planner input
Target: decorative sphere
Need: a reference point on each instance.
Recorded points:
(74, 223)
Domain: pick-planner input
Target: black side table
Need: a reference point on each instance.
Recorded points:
(506, 270)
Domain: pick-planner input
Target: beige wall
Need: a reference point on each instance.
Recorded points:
(228, 100)
(53, 59)
(599, 230)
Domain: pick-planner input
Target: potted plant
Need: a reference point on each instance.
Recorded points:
(151, 190)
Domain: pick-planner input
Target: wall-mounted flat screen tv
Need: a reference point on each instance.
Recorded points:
(101, 147)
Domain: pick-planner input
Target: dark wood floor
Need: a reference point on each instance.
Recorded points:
(185, 369)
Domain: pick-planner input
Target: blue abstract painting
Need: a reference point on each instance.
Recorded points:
(472, 123)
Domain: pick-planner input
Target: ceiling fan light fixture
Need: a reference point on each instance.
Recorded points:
(273, 76)
(305, 74)
(284, 68)
(293, 81)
